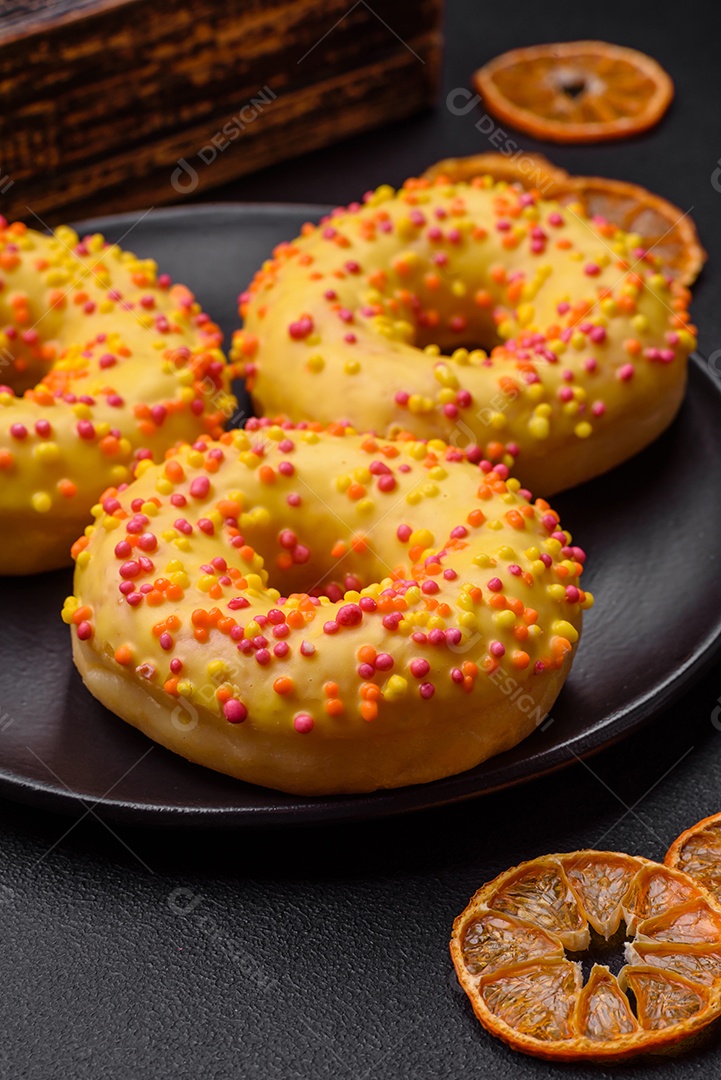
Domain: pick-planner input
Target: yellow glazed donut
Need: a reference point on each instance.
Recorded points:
(322, 611)
(370, 317)
(114, 364)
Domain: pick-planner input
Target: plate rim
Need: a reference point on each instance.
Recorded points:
(336, 809)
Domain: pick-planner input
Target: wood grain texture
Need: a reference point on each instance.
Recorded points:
(102, 98)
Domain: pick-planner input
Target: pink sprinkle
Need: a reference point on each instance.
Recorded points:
(403, 532)
(303, 723)
(307, 648)
(350, 615)
(200, 487)
(625, 372)
(592, 269)
(367, 604)
(238, 602)
(235, 711)
(420, 667)
(86, 429)
(85, 631)
(147, 542)
(384, 661)
(598, 408)
(263, 657)
(165, 641)
(495, 584)
(427, 690)
(18, 431)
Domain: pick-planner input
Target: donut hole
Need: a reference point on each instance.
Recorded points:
(22, 364)
(425, 304)
(312, 551)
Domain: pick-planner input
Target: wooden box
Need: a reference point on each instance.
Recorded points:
(111, 105)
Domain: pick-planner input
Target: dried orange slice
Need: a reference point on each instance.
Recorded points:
(698, 853)
(510, 946)
(575, 91)
(533, 172)
(663, 229)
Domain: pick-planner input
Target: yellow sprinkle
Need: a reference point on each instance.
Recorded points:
(395, 688)
(565, 629)
(421, 537)
(539, 427)
(41, 502)
(47, 453)
(505, 619)
(583, 430)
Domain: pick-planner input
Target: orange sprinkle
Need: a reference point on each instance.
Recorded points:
(369, 710)
(334, 706)
(283, 685)
(124, 655)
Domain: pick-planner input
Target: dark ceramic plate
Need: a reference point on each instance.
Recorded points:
(651, 529)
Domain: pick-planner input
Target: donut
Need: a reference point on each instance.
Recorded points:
(322, 611)
(103, 363)
(372, 316)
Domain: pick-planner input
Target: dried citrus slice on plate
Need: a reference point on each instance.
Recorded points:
(698, 853)
(575, 91)
(663, 229)
(511, 947)
(530, 171)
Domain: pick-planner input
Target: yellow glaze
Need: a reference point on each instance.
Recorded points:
(323, 611)
(112, 363)
(373, 317)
